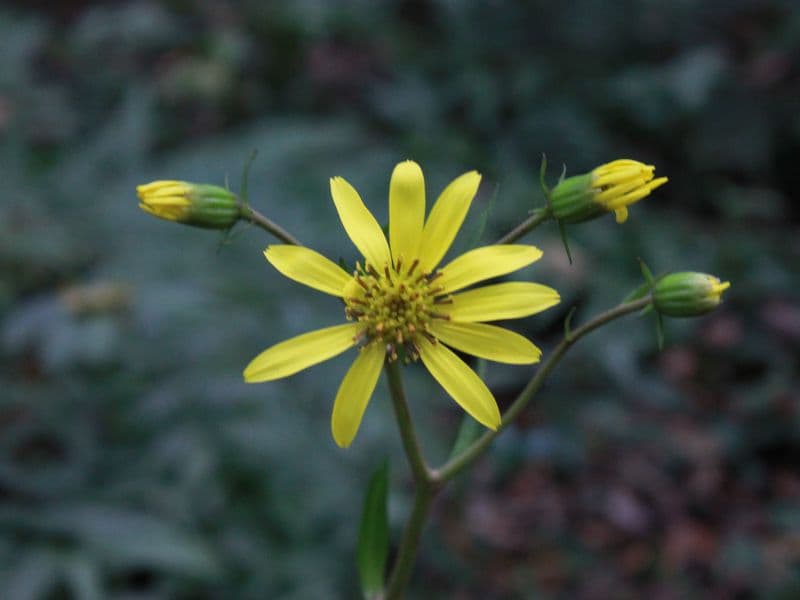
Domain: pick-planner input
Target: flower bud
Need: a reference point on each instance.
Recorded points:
(610, 187)
(200, 205)
(688, 294)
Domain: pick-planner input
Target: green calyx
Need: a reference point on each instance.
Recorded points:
(572, 200)
(687, 294)
(212, 207)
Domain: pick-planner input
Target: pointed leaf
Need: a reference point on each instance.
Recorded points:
(373, 534)
(639, 292)
(542, 175)
(563, 231)
(646, 272)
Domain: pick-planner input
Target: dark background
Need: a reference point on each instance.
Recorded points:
(135, 464)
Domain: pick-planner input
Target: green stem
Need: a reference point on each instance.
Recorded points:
(421, 471)
(529, 224)
(407, 553)
(426, 487)
(468, 456)
(255, 217)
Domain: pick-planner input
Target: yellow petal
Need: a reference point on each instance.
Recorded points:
(155, 187)
(621, 214)
(461, 382)
(166, 211)
(309, 268)
(354, 394)
(406, 210)
(446, 218)
(169, 200)
(485, 263)
(501, 301)
(303, 351)
(633, 174)
(359, 223)
(627, 198)
(608, 196)
(487, 341)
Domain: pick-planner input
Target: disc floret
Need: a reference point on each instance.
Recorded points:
(396, 306)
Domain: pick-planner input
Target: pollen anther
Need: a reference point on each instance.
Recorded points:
(396, 307)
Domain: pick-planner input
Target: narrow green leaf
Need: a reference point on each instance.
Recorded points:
(660, 330)
(542, 176)
(483, 220)
(563, 173)
(639, 292)
(646, 272)
(646, 310)
(563, 231)
(246, 176)
(373, 535)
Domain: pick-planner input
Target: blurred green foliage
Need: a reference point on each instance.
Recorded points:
(134, 463)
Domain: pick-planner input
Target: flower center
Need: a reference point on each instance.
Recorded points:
(396, 306)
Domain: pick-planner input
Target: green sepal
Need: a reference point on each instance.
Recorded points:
(647, 273)
(687, 294)
(542, 175)
(572, 200)
(639, 292)
(373, 533)
(246, 175)
(483, 220)
(660, 330)
(211, 207)
(647, 287)
(562, 229)
(646, 310)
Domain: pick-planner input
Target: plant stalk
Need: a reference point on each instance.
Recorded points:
(529, 224)
(407, 552)
(419, 467)
(426, 487)
(251, 214)
(479, 446)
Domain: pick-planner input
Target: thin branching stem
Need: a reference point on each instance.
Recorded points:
(528, 225)
(425, 488)
(407, 552)
(251, 214)
(411, 445)
(479, 446)
(428, 481)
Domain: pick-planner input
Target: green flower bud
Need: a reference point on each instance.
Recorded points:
(688, 294)
(610, 187)
(200, 205)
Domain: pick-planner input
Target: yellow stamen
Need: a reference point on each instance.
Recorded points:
(398, 305)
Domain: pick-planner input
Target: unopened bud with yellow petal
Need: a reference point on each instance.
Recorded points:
(610, 187)
(688, 294)
(200, 205)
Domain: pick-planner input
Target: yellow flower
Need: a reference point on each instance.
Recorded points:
(399, 304)
(610, 187)
(201, 205)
